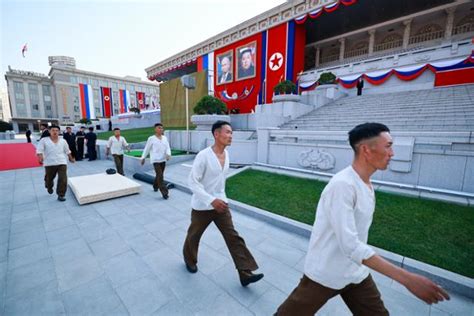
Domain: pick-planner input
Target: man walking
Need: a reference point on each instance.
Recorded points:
(209, 204)
(53, 152)
(70, 139)
(159, 149)
(338, 258)
(115, 145)
(28, 135)
(91, 139)
(80, 136)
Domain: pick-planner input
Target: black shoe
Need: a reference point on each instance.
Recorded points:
(155, 189)
(61, 198)
(50, 191)
(247, 277)
(166, 196)
(191, 268)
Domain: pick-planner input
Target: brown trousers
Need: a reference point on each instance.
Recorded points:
(159, 182)
(200, 220)
(61, 171)
(308, 297)
(118, 159)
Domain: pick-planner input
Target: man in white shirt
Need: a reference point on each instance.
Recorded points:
(53, 152)
(338, 258)
(115, 145)
(159, 149)
(209, 204)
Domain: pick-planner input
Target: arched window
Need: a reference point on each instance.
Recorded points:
(389, 42)
(465, 25)
(427, 33)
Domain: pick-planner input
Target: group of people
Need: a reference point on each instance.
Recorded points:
(338, 258)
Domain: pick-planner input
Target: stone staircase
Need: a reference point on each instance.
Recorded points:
(449, 109)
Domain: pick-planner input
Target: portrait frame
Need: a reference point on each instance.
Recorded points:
(239, 51)
(218, 59)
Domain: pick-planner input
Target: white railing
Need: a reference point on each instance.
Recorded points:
(426, 37)
(356, 52)
(461, 29)
(388, 45)
(330, 58)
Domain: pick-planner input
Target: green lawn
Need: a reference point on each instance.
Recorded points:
(437, 233)
(138, 153)
(137, 135)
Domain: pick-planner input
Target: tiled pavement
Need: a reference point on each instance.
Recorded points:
(123, 257)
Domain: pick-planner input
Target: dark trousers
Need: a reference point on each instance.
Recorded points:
(242, 257)
(118, 159)
(28, 139)
(80, 150)
(159, 182)
(308, 297)
(61, 171)
(91, 152)
(359, 91)
(72, 148)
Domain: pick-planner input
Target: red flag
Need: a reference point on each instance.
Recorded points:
(106, 101)
(141, 100)
(24, 49)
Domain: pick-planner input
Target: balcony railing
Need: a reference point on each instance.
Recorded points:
(356, 52)
(388, 45)
(461, 29)
(330, 58)
(426, 37)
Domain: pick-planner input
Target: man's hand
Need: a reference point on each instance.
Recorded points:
(142, 161)
(425, 289)
(168, 157)
(220, 206)
(40, 159)
(71, 159)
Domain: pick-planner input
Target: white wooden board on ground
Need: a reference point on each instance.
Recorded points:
(99, 187)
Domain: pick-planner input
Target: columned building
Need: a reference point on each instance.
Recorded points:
(67, 95)
(299, 40)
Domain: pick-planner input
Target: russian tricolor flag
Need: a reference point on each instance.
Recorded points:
(124, 101)
(87, 101)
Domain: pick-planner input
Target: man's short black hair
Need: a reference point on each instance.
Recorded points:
(54, 126)
(158, 124)
(116, 129)
(365, 131)
(68, 127)
(91, 128)
(82, 126)
(44, 125)
(218, 125)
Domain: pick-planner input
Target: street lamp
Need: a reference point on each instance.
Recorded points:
(188, 82)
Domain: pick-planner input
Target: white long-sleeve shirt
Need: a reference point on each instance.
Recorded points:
(338, 241)
(117, 146)
(207, 179)
(54, 154)
(157, 148)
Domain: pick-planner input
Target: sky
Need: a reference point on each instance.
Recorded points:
(115, 37)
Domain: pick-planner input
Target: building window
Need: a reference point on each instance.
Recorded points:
(34, 98)
(76, 108)
(35, 107)
(94, 83)
(114, 85)
(19, 91)
(48, 108)
(73, 79)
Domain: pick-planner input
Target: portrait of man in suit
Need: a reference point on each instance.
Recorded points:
(224, 68)
(246, 61)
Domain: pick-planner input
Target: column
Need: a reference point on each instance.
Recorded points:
(449, 22)
(342, 48)
(318, 54)
(406, 33)
(371, 41)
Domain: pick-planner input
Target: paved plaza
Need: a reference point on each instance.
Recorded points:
(123, 256)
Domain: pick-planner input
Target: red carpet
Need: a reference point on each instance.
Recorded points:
(17, 156)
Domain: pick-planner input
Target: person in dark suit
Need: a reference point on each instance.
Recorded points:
(360, 86)
(44, 131)
(70, 138)
(80, 136)
(246, 67)
(91, 139)
(28, 135)
(226, 74)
